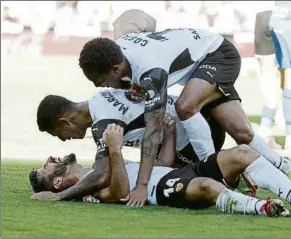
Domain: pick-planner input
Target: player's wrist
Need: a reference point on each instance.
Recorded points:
(142, 184)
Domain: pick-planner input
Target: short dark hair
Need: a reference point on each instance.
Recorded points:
(50, 110)
(38, 183)
(100, 55)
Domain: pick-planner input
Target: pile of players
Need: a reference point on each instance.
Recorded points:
(181, 161)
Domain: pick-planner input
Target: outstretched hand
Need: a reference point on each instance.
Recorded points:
(137, 197)
(46, 195)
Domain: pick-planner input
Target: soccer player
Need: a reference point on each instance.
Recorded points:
(273, 28)
(187, 187)
(66, 119)
(207, 64)
(269, 76)
(280, 25)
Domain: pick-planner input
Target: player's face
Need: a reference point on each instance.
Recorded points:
(48, 166)
(55, 171)
(67, 130)
(110, 79)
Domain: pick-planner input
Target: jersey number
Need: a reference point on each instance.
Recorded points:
(170, 183)
(158, 36)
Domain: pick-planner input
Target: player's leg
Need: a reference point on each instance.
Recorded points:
(204, 88)
(269, 82)
(234, 120)
(188, 108)
(270, 87)
(282, 42)
(287, 106)
(231, 163)
(227, 201)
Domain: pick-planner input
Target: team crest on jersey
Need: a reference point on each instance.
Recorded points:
(179, 187)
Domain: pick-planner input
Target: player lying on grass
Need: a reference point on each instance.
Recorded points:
(185, 187)
(65, 119)
(206, 64)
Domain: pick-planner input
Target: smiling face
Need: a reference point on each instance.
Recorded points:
(66, 129)
(54, 175)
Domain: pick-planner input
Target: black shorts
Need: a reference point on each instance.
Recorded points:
(172, 187)
(221, 67)
(187, 154)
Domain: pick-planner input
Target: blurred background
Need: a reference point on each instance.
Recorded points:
(41, 42)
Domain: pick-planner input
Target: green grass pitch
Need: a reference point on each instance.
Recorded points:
(22, 217)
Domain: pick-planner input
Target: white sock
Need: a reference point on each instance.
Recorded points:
(265, 131)
(259, 145)
(266, 176)
(267, 118)
(199, 135)
(235, 203)
(288, 142)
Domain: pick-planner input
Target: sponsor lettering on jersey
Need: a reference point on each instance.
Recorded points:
(120, 106)
(183, 159)
(207, 67)
(152, 101)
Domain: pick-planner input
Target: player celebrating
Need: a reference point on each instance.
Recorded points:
(66, 119)
(207, 64)
(187, 187)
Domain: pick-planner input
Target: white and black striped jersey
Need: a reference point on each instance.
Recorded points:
(177, 51)
(113, 106)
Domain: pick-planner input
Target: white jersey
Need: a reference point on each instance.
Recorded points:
(157, 173)
(177, 51)
(113, 106)
(281, 16)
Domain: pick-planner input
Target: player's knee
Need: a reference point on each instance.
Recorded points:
(242, 152)
(244, 134)
(185, 109)
(207, 185)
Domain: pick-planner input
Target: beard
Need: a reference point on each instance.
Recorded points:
(61, 167)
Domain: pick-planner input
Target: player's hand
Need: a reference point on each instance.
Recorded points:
(46, 195)
(137, 93)
(137, 197)
(113, 137)
(169, 125)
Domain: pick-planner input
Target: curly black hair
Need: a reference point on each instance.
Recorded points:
(50, 110)
(38, 183)
(100, 55)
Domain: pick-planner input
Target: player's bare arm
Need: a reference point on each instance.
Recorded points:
(167, 153)
(155, 84)
(119, 186)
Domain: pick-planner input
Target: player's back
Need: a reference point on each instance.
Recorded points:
(177, 51)
(114, 106)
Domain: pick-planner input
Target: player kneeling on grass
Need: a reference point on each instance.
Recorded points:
(182, 187)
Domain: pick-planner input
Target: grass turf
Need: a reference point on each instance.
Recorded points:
(22, 217)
